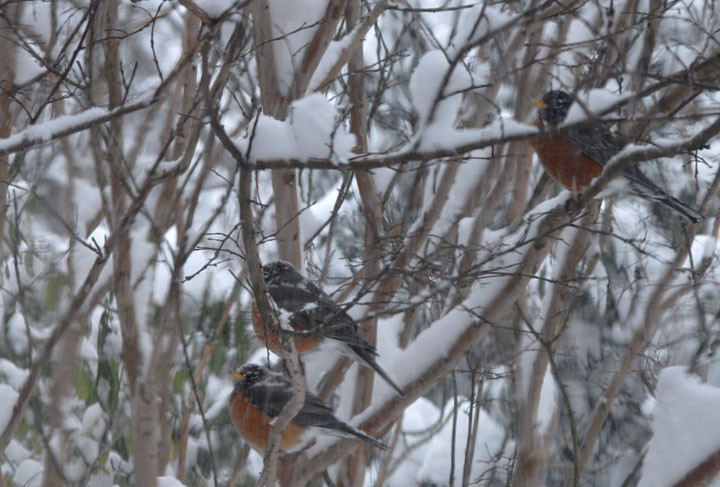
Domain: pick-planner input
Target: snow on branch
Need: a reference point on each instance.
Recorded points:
(70, 124)
(686, 431)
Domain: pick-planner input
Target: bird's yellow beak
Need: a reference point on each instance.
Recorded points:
(236, 375)
(538, 103)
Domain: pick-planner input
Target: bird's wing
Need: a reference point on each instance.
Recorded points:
(645, 188)
(595, 141)
(314, 310)
(329, 320)
(316, 413)
(296, 294)
(270, 395)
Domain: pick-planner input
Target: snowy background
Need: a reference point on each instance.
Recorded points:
(536, 346)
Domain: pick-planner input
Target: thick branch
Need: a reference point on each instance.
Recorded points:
(702, 473)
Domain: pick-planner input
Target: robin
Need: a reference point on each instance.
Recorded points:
(577, 155)
(258, 398)
(315, 314)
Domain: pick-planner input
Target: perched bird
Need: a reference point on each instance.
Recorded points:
(575, 156)
(258, 398)
(312, 311)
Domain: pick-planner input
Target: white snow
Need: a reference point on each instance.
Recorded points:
(709, 247)
(100, 479)
(383, 177)
(39, 15)
(475, 23)
(293, 26)
(45, 131)
(464, 188)
(29, 473)
(548, 406)
(271, 139)
(315, 127)
(215, 8)
(311, 131)
(88, 351)
(442, 137)
(9, 397)
(596, 101)
(93, 421)
(70, 422)
(333, 52)
(388, 332)
(12, 374)
(87, 447)
(426, 83)
(648, 406)
(436, 341)
(419, 416)
(113, 340)
(17, 333)
(16, 453)
(167, 481)
(26, 67)
(84, 258)
(430, 461)
(686, 427)
(254, 463)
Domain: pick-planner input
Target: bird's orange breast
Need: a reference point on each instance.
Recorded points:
(254, 426)
(565, 164)
(272, 340)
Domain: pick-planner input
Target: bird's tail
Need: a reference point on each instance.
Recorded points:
(645, 188)
(347, 430)
(366, 358)
(680, 207)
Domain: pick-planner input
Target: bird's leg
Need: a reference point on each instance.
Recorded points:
(572, 205)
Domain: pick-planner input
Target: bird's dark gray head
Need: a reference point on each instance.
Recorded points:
(554, 107)
(279, 270)
(249, 374)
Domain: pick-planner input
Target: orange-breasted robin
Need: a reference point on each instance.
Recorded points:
(312, 311)
(575, 156)
(259, 396)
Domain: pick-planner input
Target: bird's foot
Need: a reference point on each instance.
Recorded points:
(572, 205)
